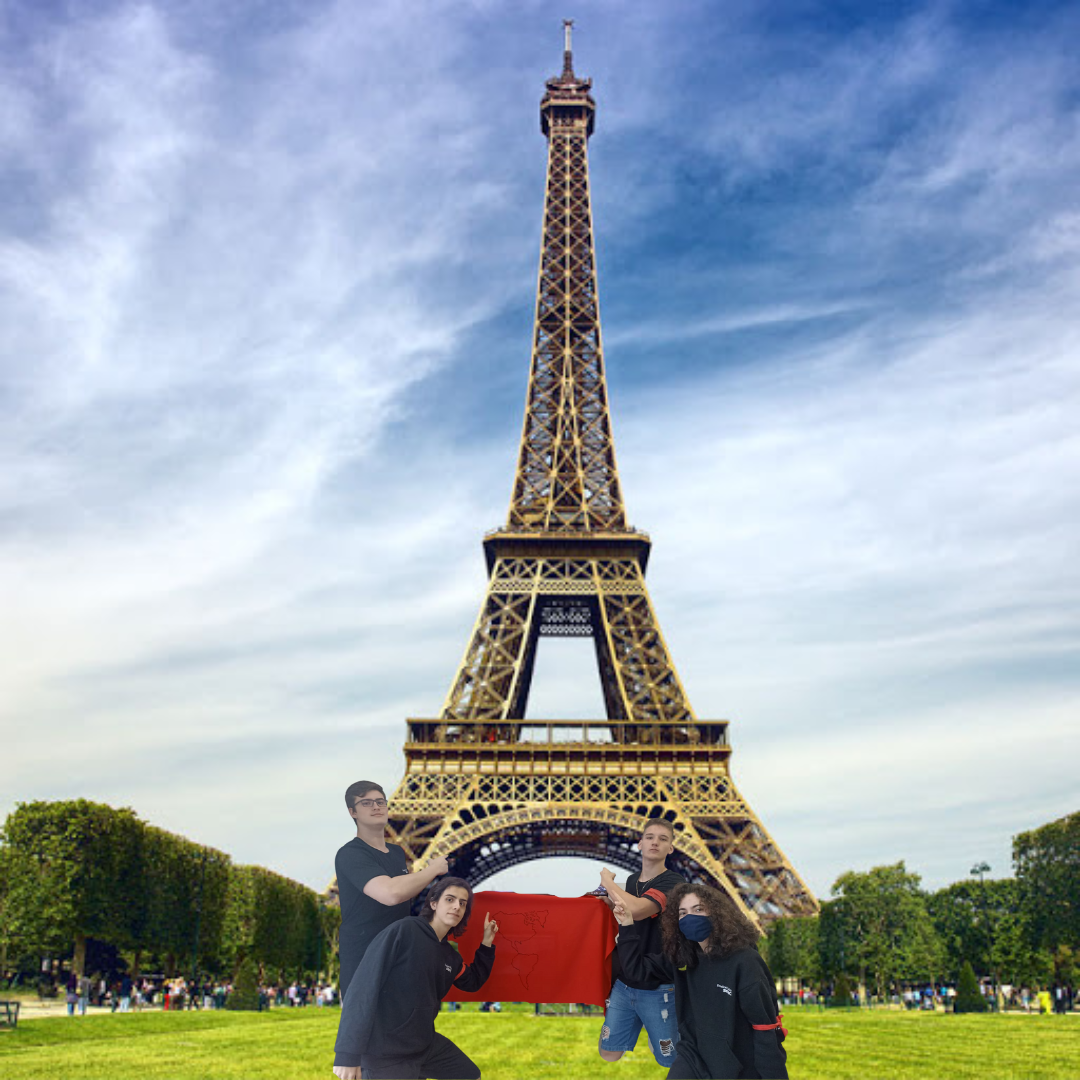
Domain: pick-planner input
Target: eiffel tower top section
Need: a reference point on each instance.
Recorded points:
(567, 97)
(567, 483)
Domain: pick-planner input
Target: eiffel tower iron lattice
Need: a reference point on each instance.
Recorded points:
(489, 788)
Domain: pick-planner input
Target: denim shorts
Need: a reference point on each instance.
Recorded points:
(628, 1009)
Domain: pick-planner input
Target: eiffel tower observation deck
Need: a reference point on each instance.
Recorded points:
(488, 788)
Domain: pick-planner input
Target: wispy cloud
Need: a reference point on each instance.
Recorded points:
(665, 332)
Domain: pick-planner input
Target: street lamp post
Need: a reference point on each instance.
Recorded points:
(979, 869)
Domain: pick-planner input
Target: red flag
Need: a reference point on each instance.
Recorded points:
(548, 948)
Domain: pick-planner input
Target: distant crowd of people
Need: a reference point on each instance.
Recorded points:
(127, 994)
(297, 995)
(1056, 998)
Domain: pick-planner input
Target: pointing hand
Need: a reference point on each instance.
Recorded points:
(491, 928)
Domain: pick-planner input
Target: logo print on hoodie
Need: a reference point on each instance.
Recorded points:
(449, 968)
(726, 989)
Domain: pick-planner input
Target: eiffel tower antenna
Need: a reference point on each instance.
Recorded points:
(487, 787)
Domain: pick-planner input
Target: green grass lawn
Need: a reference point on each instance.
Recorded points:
(298, 1044)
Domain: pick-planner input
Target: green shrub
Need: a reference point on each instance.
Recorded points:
(969, 998)
(245, 991)
(842, 991)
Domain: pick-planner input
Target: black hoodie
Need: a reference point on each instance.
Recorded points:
(394, 997)
(718, 1002)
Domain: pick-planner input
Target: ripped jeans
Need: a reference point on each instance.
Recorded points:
(629, 1009)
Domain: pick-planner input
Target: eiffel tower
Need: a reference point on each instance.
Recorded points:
(487, 787)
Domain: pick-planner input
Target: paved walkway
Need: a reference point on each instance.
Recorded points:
(36, 1008)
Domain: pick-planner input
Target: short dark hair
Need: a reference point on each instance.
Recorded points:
(359, 789)
(432, 898)
(731, 929)
(664, 823)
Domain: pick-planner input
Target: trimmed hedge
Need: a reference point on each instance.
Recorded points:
(76, 869)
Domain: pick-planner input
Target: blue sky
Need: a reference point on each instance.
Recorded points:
(266, 285)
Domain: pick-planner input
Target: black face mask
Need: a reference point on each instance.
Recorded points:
(696, 927)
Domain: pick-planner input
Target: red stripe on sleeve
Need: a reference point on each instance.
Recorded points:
(658, 896)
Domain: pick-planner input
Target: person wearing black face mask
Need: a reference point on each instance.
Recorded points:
(725, 996)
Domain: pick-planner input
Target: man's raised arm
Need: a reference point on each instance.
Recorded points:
(639, 907)
(396, 890)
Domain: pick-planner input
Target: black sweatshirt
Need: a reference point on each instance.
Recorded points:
(716, 1004)
(395, 995)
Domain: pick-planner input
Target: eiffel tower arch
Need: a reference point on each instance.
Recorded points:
(490, 789)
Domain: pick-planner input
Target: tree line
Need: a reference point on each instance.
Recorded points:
(78, 875)
(881, 929)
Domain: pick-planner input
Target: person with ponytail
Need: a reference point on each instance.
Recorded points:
(725, 996)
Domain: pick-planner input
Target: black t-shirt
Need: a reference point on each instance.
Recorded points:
(362, 916)
(656, 889)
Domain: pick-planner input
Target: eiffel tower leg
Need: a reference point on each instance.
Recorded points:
(633, 648)
(493, 680)
(733, 849)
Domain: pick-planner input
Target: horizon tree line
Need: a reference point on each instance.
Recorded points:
(881, 929)
(79, 877)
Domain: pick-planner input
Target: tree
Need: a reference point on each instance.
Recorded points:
(792, 946)
(272, 921)
(923, 956)
(6, 937)
(832, 955)
(184, 897)
(968, 995)
(72, 873)
(966, 916)
(1014, 958)
(1047, 864)
(883, 927)
(1066, 965)
(331, 928)
(245, 991)
(241, 919)
(842, 990)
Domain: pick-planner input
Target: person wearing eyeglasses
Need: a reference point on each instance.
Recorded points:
(725, 996)
(375, 886)
(387, 1026)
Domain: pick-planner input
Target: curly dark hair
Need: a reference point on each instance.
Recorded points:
(731, 929)
(432, 898)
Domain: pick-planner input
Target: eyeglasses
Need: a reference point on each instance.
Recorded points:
(368, 803)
